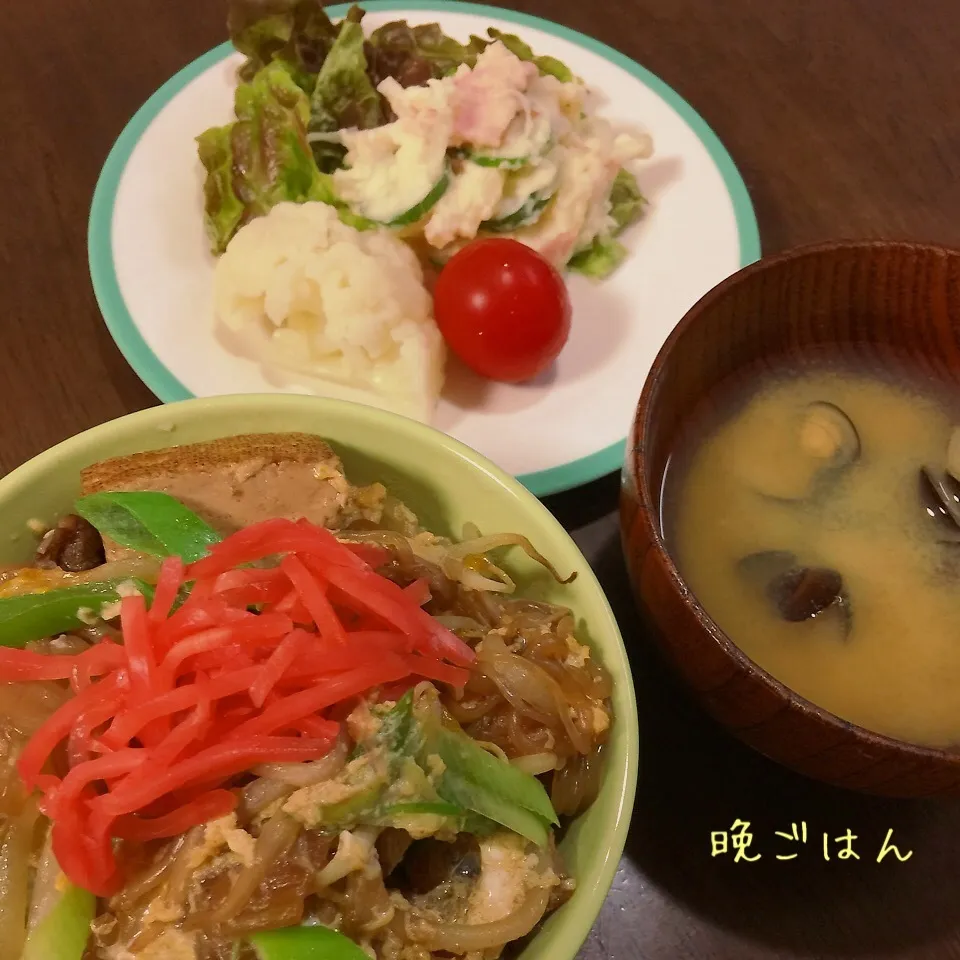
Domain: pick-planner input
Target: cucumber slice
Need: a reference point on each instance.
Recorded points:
(505, 163)
(525, 197)
(421, 209)
(520, 146)
(529, 213)
(541, 179)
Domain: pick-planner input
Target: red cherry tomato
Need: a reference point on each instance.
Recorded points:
(502, 309)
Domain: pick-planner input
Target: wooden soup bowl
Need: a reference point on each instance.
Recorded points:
(869, 304)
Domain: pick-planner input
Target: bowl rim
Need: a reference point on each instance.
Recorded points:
(649, 503)
(604, 861)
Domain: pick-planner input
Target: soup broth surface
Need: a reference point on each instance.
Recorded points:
(806, 529)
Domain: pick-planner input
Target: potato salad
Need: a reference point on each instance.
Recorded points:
(494, 148)
(407, 129)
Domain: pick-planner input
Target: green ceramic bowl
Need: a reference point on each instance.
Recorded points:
(446, 484)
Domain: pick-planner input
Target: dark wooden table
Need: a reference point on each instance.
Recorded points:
(844, 118)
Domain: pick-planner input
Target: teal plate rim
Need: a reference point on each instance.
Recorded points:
(168, 389)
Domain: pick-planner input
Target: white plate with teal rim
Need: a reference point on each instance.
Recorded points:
(152, 269)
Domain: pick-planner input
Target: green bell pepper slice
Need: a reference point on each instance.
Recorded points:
(149, 522)
(305, 943)
(34, 616)
(64, 931)
(477, 781)
(60, 917)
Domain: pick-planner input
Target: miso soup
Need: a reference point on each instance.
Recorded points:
(818, 524)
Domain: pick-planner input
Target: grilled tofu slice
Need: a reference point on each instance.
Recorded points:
(235, 481)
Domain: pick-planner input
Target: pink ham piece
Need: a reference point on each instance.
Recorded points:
(489, 96)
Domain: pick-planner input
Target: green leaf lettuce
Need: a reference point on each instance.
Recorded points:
(260, 160)
(600, 259)
(606, 253)
(626, 200)
(414, 55)
(548, 66)
(296, 32)
(344, 95)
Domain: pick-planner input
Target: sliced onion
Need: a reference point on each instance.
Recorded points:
(527, 739)
(26, 706)
(483, 545)
(472, 709)
(474, 580)
(460, 938)
(182, 869)
(536, 763)
(141, 567)
(13, 796)
(526, 686)
(15, 853)
(578, 739)
(284, 909)
(277, 836)
(531, 689)
(44, 892)
(576, 786)
(452, 622)
(306, 774)
(388, 539)
(149, 879)
(493, 748)
(31, 580)
(534, 613)
(258, 795)
(354, 849)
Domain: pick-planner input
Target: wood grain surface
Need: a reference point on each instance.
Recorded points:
(843, 116)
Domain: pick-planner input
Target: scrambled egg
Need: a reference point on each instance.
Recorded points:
(307, 804)
(579, 654)
(601, 720)
(220, 834)
(362, 725)
(355, 851)
(507, 874)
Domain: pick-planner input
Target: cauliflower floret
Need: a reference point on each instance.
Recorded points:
(304, 293)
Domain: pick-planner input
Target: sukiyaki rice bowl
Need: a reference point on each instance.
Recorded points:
(283, 677)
